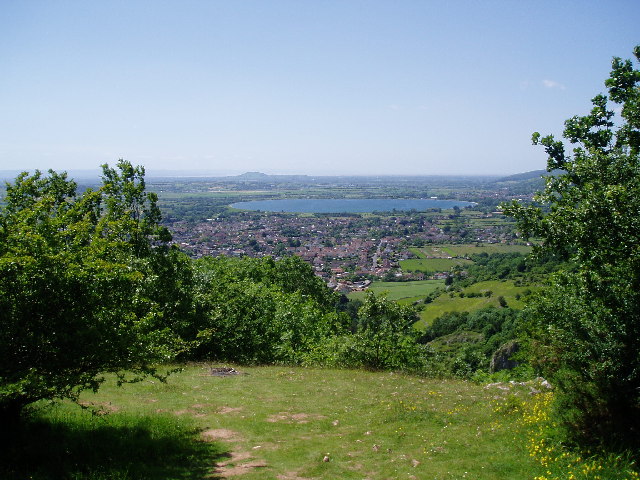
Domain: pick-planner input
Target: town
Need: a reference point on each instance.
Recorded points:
(347, 250)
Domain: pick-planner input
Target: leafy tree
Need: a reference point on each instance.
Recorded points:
(384, 336)
(260, 310)
(586, 327)
(75, 285)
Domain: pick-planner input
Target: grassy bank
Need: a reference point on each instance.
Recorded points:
(455, 303)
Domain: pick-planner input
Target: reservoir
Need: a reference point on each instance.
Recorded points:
(349, 205)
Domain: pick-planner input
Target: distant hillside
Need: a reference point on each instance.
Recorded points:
(525, 183)
(253, 176)
(524, 176)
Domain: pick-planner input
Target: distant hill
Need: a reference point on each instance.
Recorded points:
(253, 176)
(518, 177)
(528, 175)
(527, 182)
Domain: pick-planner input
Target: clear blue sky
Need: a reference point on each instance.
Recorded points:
(316, 87)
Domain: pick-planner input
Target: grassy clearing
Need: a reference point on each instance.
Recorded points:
(446, 303)
(276, 423)
(285, 423)
(402, 291)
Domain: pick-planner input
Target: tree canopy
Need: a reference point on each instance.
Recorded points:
(76, 285)
(585, 329)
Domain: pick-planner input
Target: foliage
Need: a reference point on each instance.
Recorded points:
(76, 285)
(513, 265)
(476, 296)
(532, 417)
(260, 310)
(381, 337)
(586, 327)
(467, 340)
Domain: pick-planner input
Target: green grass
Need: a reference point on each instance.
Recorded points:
(68, 442)
(275, 423)
(403, 292)
(489, 248)
(445, 303)
(466, 250)
(283, 423)
(432, 265)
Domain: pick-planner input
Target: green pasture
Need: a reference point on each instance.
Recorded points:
(489, 248)
(466, 250)
(446, 303)
(402, 292)
(432, 265)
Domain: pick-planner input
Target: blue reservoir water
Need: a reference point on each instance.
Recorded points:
(348, 205)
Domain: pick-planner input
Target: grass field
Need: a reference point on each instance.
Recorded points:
(445, 303)
(402, 292)
(453, 250)
(276, 423)
(432, 265)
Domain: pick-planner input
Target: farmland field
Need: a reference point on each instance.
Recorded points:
(432, 265)
(466, 250)
(403, 292)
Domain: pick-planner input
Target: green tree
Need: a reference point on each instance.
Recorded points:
(261, 310)
(384, 336)
(585, 328)
(75, 285)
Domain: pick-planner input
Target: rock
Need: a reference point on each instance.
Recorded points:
(223, 371)
(501, 358)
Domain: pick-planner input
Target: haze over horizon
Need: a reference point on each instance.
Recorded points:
(289, 87)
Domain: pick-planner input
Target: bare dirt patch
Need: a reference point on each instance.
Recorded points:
(195, 410)
(227, 410)
(232, 471)
(287, 417)
(232, 467)
(220, 434)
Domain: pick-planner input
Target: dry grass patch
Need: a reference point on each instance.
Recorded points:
(221, 434)
(294, 417)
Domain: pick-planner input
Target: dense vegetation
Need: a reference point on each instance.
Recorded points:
(80, 293)
(585, 328)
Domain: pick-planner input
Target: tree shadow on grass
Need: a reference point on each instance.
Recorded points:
(132, 448)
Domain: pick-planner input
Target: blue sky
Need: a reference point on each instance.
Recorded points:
(310, 87)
